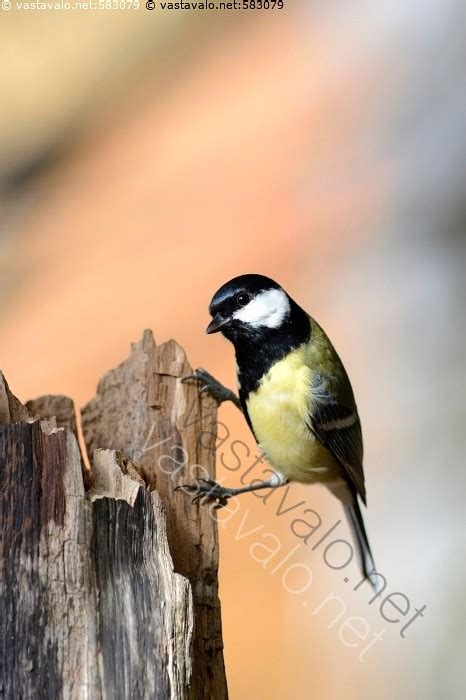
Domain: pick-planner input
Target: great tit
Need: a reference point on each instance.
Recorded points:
(295, 395)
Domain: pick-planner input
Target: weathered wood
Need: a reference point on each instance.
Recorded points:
(163, 425)
(45, 603)
(62, 410)
(11, 409)
(91, 605)
(144, 611)
(54, 406)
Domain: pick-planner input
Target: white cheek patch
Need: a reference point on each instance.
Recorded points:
(266, 309)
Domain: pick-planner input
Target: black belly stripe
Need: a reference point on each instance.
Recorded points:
(263, 347)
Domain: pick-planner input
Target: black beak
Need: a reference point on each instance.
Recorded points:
(216, 324)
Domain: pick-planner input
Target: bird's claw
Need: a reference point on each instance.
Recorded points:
(206, 491)
(210, 386)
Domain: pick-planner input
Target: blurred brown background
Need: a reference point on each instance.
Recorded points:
(145, 158)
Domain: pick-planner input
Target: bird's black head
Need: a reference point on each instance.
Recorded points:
(253, 307)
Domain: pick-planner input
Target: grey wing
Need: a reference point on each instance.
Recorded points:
(338, 428)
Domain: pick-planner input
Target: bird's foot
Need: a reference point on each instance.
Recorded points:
(212, 386)
(207, 491)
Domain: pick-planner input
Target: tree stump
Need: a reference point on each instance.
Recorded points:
(110, 583)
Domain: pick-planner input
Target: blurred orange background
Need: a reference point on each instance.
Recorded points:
(146, 158)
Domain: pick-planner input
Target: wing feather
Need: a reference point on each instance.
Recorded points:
(338, 427)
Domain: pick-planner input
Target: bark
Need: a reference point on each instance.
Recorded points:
(110, 591)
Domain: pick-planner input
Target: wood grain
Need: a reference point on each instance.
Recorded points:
(164, 426)
(110, 592)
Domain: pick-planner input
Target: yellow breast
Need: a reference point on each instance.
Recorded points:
(279, 411)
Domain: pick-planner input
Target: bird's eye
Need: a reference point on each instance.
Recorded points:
(242, 299)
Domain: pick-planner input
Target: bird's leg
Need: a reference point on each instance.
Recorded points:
(211, 386)
(209, 490)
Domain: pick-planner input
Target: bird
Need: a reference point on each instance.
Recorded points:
(295, 395)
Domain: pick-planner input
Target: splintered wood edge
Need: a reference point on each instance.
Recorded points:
(13, 411)
(114, 477)
(11, 408)
(63, 410)
(57, 405)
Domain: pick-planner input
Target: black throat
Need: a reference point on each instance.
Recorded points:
(258, 349)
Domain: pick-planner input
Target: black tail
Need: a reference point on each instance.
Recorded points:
(359, 532)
